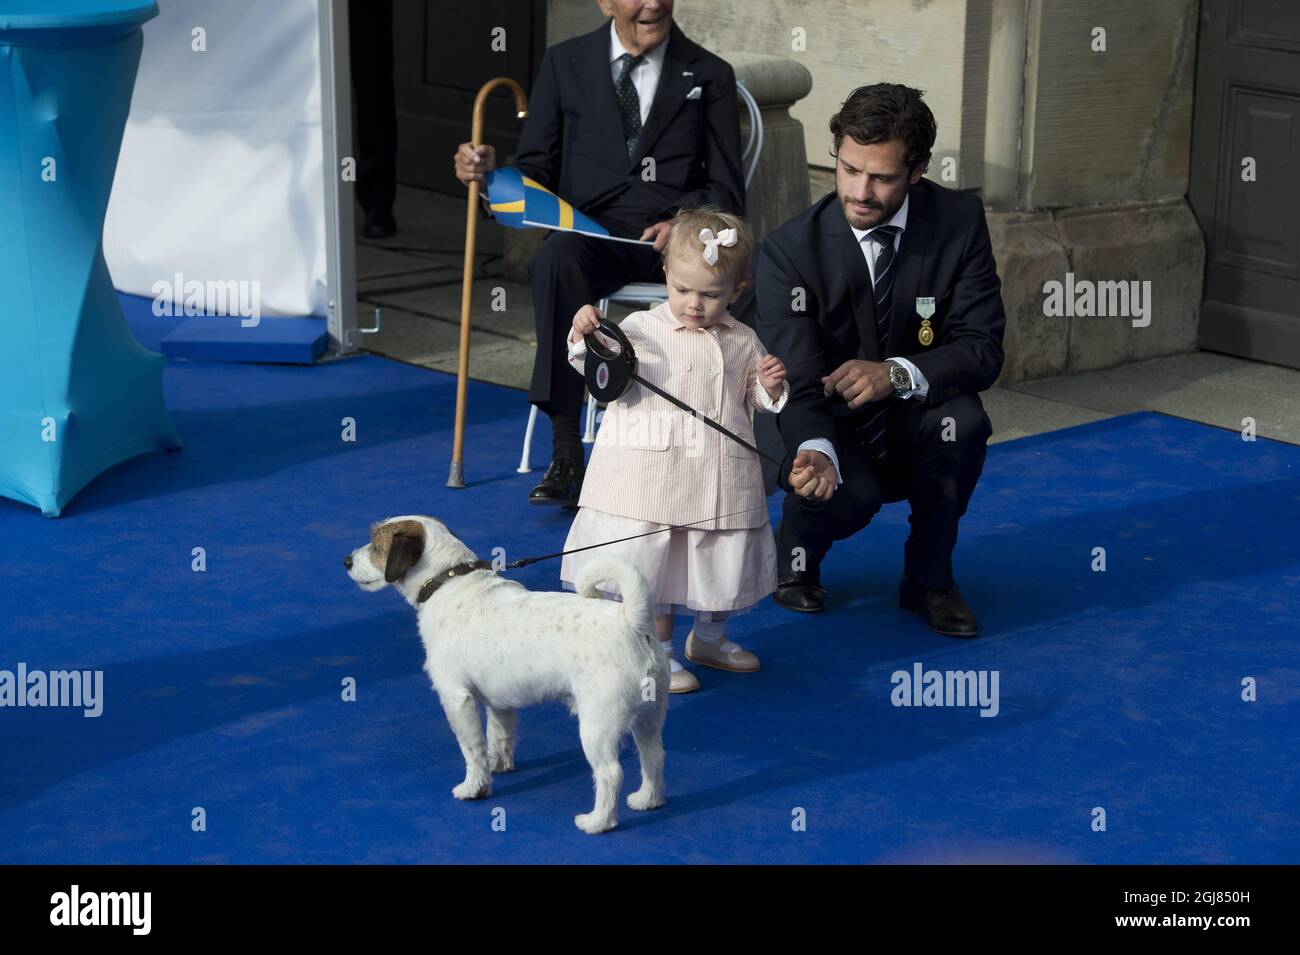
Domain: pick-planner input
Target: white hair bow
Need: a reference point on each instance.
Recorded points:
(727, 237)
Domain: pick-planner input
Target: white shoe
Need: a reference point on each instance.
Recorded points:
(723, 655)
(679, 679)
(683, 681)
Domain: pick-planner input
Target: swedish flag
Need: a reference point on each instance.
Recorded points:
(522, 203)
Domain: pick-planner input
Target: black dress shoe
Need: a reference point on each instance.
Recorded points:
(800, 590)
(561, 485)
(380, 224)
(942, 610)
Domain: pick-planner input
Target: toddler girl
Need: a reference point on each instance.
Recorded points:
(654, 465)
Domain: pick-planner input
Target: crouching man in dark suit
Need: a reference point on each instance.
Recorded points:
(884, 394)
(629, 123)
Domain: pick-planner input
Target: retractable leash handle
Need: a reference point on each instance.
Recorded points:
(609, 372)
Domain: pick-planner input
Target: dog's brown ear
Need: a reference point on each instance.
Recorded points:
(403, 553)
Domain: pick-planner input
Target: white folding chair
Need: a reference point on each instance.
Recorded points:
(652, 293)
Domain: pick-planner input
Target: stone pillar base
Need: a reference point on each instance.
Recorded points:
(1088, 251)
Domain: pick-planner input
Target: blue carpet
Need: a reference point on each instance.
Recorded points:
(1120, 690)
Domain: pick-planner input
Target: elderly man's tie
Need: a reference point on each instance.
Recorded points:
(629, 104)
(882, 292)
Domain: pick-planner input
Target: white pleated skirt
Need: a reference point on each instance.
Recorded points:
(689, 571)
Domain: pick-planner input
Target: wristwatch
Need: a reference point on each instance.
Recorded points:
(899, 377)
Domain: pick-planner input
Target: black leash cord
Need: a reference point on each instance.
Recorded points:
(618, 369)
(433, 583)
(525, 561)
(705, 418)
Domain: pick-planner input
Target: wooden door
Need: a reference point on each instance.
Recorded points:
(1245, 181)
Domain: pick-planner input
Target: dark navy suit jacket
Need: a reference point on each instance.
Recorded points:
(572, 140)
(945, 253)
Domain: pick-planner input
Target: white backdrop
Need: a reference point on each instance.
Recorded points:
(221, 177)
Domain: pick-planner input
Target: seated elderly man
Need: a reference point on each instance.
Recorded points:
(629, 123)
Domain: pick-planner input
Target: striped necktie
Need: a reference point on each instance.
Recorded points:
(629, 104)
(882, 287)
(873, 432)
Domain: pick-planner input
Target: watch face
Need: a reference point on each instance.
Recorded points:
(900, 377)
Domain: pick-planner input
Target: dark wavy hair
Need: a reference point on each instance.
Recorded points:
(884, 112)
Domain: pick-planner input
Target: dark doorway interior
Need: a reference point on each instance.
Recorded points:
(442, 56)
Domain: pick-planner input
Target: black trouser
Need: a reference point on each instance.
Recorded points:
(935, 475)
(568, 272)
(370, 29)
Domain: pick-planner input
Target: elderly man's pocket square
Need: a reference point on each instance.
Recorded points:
(695, 93)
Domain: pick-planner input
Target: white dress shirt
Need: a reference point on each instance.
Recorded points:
(645, 75)
(920, 387)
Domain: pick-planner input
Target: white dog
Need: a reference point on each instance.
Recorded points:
(489, 640)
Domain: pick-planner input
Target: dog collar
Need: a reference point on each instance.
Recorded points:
(460, 570)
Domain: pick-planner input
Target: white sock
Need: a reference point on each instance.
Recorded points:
(714, 634)
(673, 665)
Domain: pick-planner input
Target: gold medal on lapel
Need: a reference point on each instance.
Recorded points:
(925, 308)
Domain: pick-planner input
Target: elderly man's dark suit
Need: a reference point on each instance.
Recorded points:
(945, 253)
(572, 143)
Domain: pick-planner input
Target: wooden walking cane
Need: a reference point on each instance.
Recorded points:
(457, 476)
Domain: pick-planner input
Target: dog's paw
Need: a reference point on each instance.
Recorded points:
(472, 789)
(503, 762)
(644, 799)
(592, 824)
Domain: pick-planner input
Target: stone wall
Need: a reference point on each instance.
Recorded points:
(1104, 165)
(1108, 126)
(1156, 243)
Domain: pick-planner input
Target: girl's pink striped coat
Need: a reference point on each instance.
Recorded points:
(654, 462)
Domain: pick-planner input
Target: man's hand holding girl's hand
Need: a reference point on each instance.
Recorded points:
(813, 476)
(771, 372)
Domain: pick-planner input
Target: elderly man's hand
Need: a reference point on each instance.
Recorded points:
(658, 233)
(474, 163)
(813, 476)
(859, 382)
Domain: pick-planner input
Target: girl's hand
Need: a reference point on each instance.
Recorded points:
(585, 321)
(771, 373)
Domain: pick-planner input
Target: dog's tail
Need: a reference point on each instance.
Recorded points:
(638, 610)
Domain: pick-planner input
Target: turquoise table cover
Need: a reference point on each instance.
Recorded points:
(78, 394)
